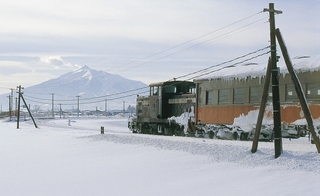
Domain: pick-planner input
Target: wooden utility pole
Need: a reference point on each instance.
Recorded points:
(298, 88)
(264, 99)
(275, 83)
(60, 110)
(11, 103)
(106, 106)
(52, 105)
(25, 103)
(10, 113)
(78, 105)
(16, 108)
(18, 116)
(124, 108)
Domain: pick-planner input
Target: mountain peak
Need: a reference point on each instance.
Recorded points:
(83, 69)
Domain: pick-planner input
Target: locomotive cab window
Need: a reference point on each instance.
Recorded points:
(154, 90)
(170, 89)
(192, 89)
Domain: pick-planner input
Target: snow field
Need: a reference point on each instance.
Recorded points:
(58, 159)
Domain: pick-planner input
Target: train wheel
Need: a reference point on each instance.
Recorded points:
(153, 131)
(138, 129)
(167, 131)
(181, 131)
(211, 134)
(235, 136)
(134, 130)
(161, 129)
(243, 136)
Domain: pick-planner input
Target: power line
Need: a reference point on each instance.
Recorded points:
(186, 42)
(201, 72)
(229, 61)
(232, 32)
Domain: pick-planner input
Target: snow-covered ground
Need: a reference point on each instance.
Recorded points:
(58, 159)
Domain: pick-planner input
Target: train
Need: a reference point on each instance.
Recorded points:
(225, 104)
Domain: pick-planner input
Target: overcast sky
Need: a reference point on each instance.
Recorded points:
(142, 40)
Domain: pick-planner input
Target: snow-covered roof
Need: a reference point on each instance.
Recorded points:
(253, 70)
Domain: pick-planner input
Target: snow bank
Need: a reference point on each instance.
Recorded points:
(183, 119)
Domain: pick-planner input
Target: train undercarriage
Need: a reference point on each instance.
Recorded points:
(211, 131)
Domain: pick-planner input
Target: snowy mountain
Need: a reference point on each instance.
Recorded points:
(86, 82)
(92, 86)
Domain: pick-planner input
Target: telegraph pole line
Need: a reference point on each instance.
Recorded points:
(10, 115)
(25, 103)
(18, 116)
(299, 89)
(264, 99)
(16, 108)
(124, 108)
(275, 82)
(78, 105)
(52, 105)
(11, 103)
(106, 106)
(60, 110)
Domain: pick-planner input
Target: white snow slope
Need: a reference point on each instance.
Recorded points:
(57, 159)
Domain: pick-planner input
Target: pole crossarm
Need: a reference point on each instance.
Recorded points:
(272, 10)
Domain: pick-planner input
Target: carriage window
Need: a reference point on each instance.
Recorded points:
(238, 95)
(223, 96)
(313, 90)
(209, 95)
(255, 94)
(290, 92)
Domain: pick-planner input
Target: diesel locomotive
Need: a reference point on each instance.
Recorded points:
(166, 99)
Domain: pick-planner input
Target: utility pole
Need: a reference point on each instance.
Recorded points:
(299, 89)
(16, 108)
(124, 108)
(18, 116)
(275, 82)
(264, 99)
(10, 113)
(11, 103)
(78, 105)
(52, 105)
(106, 106)
(60, 110)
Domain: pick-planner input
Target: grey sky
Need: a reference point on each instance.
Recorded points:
(40, 40)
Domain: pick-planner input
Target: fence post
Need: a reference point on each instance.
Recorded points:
(102, 130)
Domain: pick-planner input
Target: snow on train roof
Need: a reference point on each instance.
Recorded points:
(253, 70)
